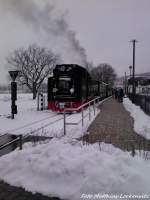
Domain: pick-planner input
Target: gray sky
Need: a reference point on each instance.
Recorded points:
(103, 28)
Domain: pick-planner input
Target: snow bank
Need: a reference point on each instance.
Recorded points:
(141, 120)
(68, 171)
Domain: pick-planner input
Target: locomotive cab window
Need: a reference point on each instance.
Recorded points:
(64, 85)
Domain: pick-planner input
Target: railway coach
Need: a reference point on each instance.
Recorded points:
(71, 86)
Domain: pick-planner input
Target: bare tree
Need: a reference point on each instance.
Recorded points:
(35, 64)
(104, 72)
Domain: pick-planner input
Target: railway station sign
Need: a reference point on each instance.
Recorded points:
(14, 74)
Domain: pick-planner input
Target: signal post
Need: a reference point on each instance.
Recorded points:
(13, 75)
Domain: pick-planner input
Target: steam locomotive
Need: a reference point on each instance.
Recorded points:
(71, 85)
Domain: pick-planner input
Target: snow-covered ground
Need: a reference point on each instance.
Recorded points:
(71, 171)
(29, 119)
(141, 120)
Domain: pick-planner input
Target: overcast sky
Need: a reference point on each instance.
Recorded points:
(104, 29)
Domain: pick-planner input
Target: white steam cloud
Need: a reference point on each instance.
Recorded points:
(51, 27)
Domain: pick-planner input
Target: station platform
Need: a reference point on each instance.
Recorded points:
(115, 125)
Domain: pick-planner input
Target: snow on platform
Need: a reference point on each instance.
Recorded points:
(141, 120)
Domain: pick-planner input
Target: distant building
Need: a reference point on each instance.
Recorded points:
(140, 80)
(142, 84)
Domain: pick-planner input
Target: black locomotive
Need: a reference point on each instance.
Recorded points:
(71, 85)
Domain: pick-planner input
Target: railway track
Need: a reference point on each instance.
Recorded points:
(9, 140)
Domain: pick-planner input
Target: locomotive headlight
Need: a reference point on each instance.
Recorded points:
(55, 89)
(72, 90)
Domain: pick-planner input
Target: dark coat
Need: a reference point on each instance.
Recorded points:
(120, 93)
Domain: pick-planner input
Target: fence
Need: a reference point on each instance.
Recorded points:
(143, 101)
(13, 141)
(87, 105)
(16, 141)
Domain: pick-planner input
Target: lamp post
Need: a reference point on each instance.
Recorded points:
(125, 83)
(13, 75)
(133, 72)
(130, 78)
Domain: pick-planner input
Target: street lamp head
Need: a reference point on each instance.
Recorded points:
(130, 67)
(14, 74)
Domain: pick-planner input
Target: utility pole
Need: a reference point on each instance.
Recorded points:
(133, 72)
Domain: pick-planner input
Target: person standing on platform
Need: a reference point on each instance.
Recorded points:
(120, 95)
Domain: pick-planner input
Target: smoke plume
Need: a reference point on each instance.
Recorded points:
(50, 25)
